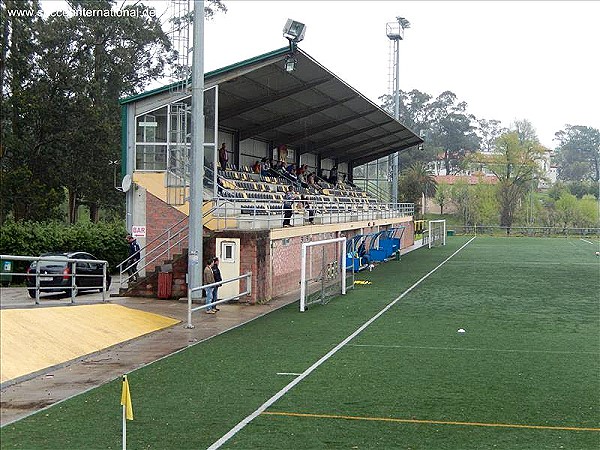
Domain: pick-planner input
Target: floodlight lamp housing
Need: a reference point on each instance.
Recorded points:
(394, 31)
(290, 63)
(294, 31)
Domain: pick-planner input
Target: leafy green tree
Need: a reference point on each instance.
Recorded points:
(484, 204)
(525, 131)
(462, 198)
(489, 131)
(589, 211)
(578, 153)
(416, 181)
(515, 164)
(28, 187)
(452, 130)
(567, 210)
(442, 196)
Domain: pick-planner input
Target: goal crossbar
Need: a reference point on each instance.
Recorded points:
(307, 245)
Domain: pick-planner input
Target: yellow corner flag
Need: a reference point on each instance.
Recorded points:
(126, 399)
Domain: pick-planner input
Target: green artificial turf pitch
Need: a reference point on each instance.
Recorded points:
(525, 375)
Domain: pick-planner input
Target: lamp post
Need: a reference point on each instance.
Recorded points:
(395, 32)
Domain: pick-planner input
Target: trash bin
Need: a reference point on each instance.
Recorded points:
(6, 268)
(449, 232)
(165, 284)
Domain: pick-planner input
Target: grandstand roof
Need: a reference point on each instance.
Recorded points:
(309, 109)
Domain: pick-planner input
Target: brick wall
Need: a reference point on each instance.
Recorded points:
(161, 216)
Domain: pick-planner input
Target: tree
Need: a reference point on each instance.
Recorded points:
(567, 211)
(443, 122)
(489, 131)
(578, 153)
(442, 196)
(452, 130)
(61, 81)
(525, 131)
(460, 195)
(28, 187)
(415, 182)
(589, 211)
(515, 164)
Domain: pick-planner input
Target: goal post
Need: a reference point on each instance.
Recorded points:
(322, 271)
(437, 233)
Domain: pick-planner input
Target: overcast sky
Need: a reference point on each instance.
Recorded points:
(508, 60)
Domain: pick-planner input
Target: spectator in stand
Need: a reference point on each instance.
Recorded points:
(291, 170)
(264, 167)
(312, 182)
(302, 169)
(223, 156)
(307, 207)
(302, 179)
(288, 201)
(282, 153)
(256, 167)
(333, 176)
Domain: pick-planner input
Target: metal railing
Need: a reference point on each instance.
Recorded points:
(159, 247)
(72, 288)
(248, 291)
(256, 214)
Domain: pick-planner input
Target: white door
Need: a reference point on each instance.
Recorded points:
(228, 251)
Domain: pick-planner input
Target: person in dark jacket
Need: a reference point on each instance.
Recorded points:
(134, 257)
(217, 275)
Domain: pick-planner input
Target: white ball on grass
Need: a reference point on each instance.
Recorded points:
(461, 331)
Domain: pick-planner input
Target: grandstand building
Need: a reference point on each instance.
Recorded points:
(262, 113)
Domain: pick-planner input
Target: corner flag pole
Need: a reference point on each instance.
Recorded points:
(127, 409)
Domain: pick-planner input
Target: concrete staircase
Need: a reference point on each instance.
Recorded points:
(148, 285)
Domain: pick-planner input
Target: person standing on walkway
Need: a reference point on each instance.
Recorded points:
(209, 278)
(217, 276)
(134, 257)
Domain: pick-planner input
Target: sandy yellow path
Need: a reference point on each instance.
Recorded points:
(33, 339)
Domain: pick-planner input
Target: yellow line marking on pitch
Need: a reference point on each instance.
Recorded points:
(430, 422)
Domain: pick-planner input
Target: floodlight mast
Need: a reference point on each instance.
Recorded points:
(293, 31)
(197, 156)
(395, 32)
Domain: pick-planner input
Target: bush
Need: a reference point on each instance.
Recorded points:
(104, 240)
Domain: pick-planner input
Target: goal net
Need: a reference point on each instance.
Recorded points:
(323, 271)
(437, 233)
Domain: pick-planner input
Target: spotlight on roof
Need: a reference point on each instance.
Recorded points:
(294, 31)
(290, 63)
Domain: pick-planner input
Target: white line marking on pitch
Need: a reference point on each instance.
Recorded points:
(289, 373)
(324, 358)
(585, 240)
(558, 352)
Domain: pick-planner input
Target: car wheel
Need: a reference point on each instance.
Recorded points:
(31, 292)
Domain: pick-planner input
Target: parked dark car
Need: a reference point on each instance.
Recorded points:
(55, 273)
